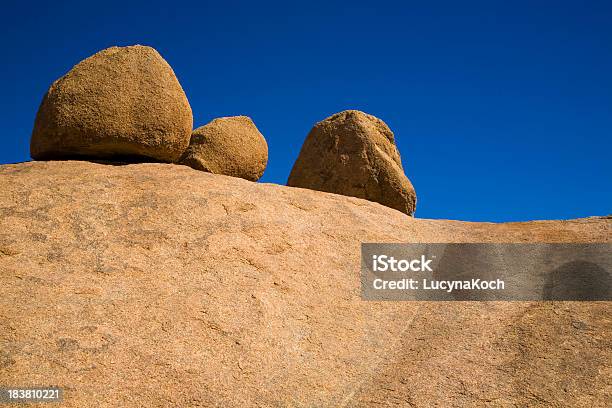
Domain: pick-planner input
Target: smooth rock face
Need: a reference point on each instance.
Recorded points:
(120, 103)
(232, 146)
(354, 154)
(219, 292)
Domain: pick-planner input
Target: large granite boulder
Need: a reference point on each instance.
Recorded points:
(354, 154)
(232, 146)
(120, 103)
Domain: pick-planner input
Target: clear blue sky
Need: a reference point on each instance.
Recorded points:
(502, 110)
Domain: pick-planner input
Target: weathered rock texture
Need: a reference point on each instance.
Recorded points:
(222, 292)
(121, 103)
(354, 154)
(232, 146)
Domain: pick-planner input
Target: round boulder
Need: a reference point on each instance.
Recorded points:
(354, 154)
(120, 103)
(232, 146)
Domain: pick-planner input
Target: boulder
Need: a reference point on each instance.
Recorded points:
(120, 103)
(354, 154)
(231, 146)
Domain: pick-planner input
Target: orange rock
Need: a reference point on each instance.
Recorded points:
(354, 154)
(232, 146)
(122, 103)
(157, 285)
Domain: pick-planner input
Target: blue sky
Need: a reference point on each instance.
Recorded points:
(502, 110)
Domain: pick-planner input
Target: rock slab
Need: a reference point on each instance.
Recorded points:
(354, 154)
(220, 292)
(120, 103)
